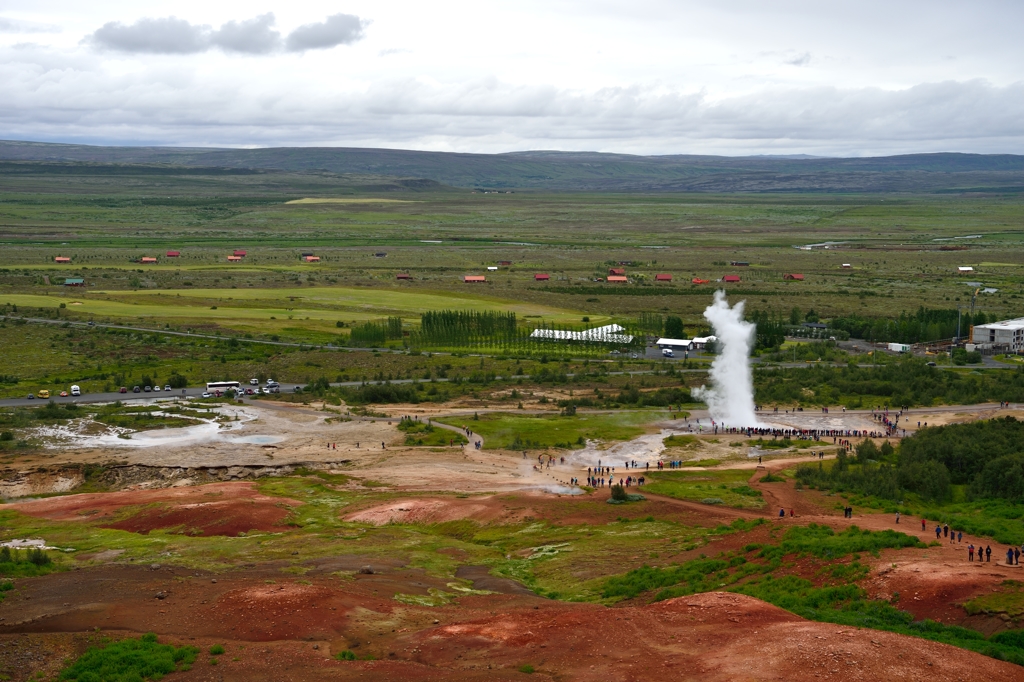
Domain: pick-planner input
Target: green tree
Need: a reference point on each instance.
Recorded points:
(674, 327)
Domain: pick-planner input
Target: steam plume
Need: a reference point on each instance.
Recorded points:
(731, 396)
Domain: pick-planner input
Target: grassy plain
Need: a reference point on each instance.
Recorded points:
(514, 431)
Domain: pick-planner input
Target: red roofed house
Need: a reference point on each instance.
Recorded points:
(616, 271)
(731, 278)
(541, 277)
(173, 254)
(239, 252)
(794, 276)
(504, 262)
(403, 275)
(147, 259)
(473, 279)
(61, 259)
(312, 259)
(618, 279)
(234, 259)
(698, 280)
(663, 278)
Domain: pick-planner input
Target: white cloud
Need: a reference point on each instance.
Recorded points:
(339, 29)
(650, 76)
(253, 36)
(170, 35)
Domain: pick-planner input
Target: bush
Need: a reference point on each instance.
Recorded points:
(130, 659)
(216, 650)
(345, 655)
(177, 381)
(6, 436)
(619, 493)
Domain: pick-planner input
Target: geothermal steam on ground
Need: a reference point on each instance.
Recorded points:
(730, 398)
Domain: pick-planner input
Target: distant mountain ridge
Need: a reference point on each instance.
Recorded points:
(578, 171)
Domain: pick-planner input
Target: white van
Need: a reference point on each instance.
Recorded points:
(667, 352)
(75, 390)
(254, 382)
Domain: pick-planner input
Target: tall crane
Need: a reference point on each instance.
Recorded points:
(974, 297)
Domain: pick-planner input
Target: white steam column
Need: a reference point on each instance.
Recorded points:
(730, 398)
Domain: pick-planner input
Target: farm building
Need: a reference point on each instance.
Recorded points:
(148, 260)
(618, 279)
(239, 252)
(312, 259)
(1008, 335)
(731, 278)
(505, 262)
(403, 275)
(174, 254)
(541, 277)
(74, 282)
(61, 259)
(609, 333)
(306, 253)
(740, 263)
(701, 342)
(664, 277)
(616, 271)
(234, 259)
(473, 279)
(846, 266)
(492, 268)
(675, 344)
(698, 280)
(965, 269)
(794, 277)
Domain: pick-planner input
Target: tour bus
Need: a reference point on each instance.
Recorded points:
(219, 387)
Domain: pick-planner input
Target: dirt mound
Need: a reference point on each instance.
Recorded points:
(215, 509)
(715, 636)
(276, 612)
(436, 510)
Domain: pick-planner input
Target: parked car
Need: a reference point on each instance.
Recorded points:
(207, 394)
(275, 389)
(147, 389)
(266, 391)
(167, 387)
(157, 388)
(249, 391)
(124, 389)
(271, 382)
(31, 396)
(254, 382)
(63, 394)
(75, 390)
(43, 394)
(137, 389)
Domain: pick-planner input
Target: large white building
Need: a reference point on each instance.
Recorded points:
(609, 333)
(1008, 335)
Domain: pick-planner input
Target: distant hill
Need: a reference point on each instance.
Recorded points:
(578, 171)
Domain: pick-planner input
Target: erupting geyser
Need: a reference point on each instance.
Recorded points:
(730, 398)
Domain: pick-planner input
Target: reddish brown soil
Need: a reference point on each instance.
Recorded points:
(290, 631)
(215, 509)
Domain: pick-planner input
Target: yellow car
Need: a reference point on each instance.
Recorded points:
(43, 394)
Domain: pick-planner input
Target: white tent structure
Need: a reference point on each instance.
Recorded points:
(609, 333)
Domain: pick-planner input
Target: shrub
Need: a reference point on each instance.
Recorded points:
(216, 650)
(346, 655)
(619, 493)
(130, 659)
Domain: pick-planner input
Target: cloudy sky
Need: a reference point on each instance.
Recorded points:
(847, 78)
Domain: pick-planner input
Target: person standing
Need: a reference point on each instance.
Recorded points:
(1009, 556)
(988, 554)
(923, 525)
(897, 517)
(970, 552)
(959, 536)
(1016, 556)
